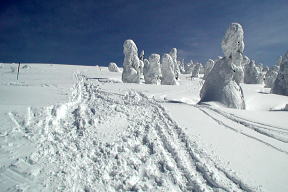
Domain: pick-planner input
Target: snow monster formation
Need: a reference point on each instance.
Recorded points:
(281, 83)
(173, 54)
(208, 67)
(253, 74)
(152, 69)
(222, 83)
(113, 67)
(167, 70)
(131, 65)
(271, 76)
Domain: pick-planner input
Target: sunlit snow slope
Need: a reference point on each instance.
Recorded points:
(77, 128)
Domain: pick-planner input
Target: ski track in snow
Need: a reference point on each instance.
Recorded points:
(272, 132)
(151, 153)
(226, 125)
(277, 133)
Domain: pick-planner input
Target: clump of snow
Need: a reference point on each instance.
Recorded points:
(152, 69)
(113, 67)
(131, 65)
(222, 83)
(281, 83)
(173, 54)
(271, 76)
(167, 70)
(208, 67)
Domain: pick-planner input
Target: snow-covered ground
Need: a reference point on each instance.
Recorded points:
(79, 128)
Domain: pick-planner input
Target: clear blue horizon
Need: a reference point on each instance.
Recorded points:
(90, 32)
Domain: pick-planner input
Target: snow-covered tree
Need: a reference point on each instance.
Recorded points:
(141, 57)
(208, 67)
(281, 83)
(131, 65)
(173, 54)
(253, 74)
(152, 69)
(202, 69)
(167, 70)
(196, 70)
(271, 76)
(279, 61)
(265, 69)
(113, 67)
(188, 67)
(222, 83)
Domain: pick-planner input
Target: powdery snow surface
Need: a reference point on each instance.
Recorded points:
(76, 128)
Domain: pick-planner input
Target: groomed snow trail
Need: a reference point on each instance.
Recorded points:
(143, 150)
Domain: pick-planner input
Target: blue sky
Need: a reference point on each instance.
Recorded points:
(92, 32)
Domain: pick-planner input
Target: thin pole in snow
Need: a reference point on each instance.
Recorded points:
(18, 71)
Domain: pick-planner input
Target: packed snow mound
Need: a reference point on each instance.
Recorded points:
(281, 83)
(113, 67)
(233, 40)
(152, 72)
(151, 152)
(167, 70)
(222, 83)
(208, 67)
(131, 65)
(253, 74)
(271, 76)
(173, 54)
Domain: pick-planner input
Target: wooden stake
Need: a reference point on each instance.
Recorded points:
(18, 71)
